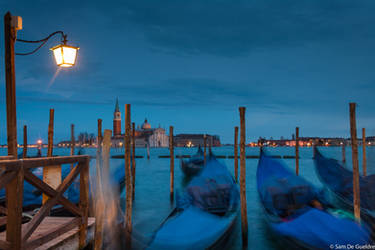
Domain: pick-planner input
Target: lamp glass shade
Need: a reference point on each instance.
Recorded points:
(65, 56)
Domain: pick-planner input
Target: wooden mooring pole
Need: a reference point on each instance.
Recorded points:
(171, 153)
(236, 153)
(205, 148)
(24, 155)
(297, 150)
(133, 159)
(243, 178)
(364, 163)
(99, 202)
(51, 174)
(353, 133)
(128, 178)
(100, 137)
(50, 132)
(72, 142)
(343, 152)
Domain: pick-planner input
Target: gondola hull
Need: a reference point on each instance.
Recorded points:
(338, 182)
(194, 229)
(192, 167)
(192, 225)
(304, 226)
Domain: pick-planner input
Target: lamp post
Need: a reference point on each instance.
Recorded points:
(65, 56)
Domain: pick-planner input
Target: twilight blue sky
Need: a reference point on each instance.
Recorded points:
(191, 64)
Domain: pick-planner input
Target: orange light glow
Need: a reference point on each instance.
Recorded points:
(65, 55)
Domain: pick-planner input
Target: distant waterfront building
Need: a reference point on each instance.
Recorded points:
(145, 135)
(192, 140)
(117, 120)
(306, 141)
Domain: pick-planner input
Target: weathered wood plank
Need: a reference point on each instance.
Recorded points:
(48, 190)
(52, 232)
(14, 196)
(51, 225)
(3, 210)
(44, 210)
(69, 239)
(4, 244)
(6, 157)
(6, 178)
(41, 162)
(3, 220)
(84, 202)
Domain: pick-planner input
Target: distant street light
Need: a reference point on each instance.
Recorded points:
(65, 56)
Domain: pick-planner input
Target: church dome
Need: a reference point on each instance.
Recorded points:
(146, 125)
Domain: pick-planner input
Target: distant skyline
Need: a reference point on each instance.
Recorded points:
(192, 64)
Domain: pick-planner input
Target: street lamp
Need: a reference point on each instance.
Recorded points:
(65, 56)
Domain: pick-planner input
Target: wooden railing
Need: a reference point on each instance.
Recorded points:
(16, 171)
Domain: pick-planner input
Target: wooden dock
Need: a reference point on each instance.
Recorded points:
(56, 233)
(44, 231)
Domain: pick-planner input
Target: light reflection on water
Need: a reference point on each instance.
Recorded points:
(152, 204)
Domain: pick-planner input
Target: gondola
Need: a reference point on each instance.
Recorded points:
(194, 165)
(205, 212)
(298, 215)
(339, 182)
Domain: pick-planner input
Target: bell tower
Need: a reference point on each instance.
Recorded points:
(117, 120)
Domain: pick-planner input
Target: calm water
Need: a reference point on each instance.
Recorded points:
(152, 203)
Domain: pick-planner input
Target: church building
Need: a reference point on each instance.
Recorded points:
(144, 134)
(117, 120)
